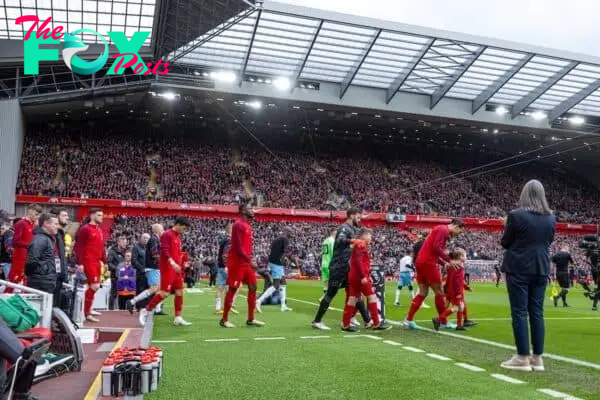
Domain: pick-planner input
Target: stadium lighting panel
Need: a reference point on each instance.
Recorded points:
(127, 16)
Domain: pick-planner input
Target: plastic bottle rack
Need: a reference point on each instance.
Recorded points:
(132, 372)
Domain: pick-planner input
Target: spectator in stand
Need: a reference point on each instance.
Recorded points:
(528, 234)
(116, 256)
(126, 280)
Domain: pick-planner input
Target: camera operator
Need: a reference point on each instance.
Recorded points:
(562, 261)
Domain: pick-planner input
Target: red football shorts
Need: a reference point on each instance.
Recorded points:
(170, 280)
(92, 271)
(357, 289)
(238, 274)
(428, 274)
(16, 274)
(455, 299)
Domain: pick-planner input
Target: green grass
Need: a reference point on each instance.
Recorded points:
(363, 368)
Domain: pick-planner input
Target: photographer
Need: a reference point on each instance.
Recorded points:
(562, 261)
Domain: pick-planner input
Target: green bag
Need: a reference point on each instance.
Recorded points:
(18, 314)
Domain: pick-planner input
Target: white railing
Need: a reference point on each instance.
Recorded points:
(41, 301)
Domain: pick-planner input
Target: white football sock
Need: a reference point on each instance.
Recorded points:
(218, 302)
(283, 295)
(397, 296)
(265, 295)
(142, 296)
(411, 294)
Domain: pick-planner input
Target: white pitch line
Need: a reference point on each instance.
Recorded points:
(439, 357)
(568, 360)
(413, 349)
(372, 337)
(221, 340)
(507, 379)
(353, 336)
(314, 337)
(510, 319)
(169, 341)
(270, 338)
(558, 395)
(470, 367)
(392, 343)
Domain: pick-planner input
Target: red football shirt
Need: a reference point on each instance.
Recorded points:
(21, 240)
(455, 282)
(360, 262)
(89, 245)
(240, 249)
(170, 247)
(433, 250)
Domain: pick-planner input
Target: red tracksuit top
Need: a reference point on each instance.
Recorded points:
(240, 249)
(170, 247)
(22, 238)
(360, 262)
(433, 251)
(89, 245)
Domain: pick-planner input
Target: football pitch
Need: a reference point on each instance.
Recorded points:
(287, 359)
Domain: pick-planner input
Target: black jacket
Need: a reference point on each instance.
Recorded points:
(60, 242)
(342, 250)
(527, 239)
(6, 246)
(138, 258)
(152, 252)
(40, 266)
(114, 258)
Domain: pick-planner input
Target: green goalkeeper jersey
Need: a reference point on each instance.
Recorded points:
(327, 252)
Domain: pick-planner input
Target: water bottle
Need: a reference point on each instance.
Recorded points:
(107, 373)
(146, 374)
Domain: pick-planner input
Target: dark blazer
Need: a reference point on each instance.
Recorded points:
(60, 242)
(527, 239)
(40, 266)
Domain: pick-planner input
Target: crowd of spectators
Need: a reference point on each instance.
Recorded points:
(116, 166)
(389, 244)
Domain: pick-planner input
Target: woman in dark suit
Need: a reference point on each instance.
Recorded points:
(528, 234)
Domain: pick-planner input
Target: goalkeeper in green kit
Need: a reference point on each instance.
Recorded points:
(326, 255)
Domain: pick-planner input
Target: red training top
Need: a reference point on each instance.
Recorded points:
(240, 249)
(89, 245)
(360, 262)
(21, 240)
(433, 250)
(170, 247)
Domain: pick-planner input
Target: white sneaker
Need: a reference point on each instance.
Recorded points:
(320, 326)
(91, 318)
(285, 308)
(425, 306)
(143, 316)
(95, 313)
(354, 323)
(178, 321)
(258, 309)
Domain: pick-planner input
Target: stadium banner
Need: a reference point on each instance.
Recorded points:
(140, 207)
(378, 279)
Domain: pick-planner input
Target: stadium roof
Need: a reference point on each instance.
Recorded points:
(303, 44)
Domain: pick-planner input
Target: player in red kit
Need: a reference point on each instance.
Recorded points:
(241, 267)
(431, 254)
(171, 272)
(23, 234)
(455, 291)
(359, 283)
(89, 253)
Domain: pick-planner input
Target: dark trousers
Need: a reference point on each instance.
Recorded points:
(526, 294)
(57, 299)
(113, 298)
(212, 279)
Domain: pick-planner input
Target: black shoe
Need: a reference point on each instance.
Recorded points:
(469, 322)
(350, 329)
(566, 305)
(161, 312)
(436, 323)
(384, 326)
(555, 298)
(130, 306)
(461, 328)
(594, 308)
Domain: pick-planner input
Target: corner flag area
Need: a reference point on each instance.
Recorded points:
(288, 359)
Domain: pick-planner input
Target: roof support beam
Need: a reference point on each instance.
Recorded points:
(400, 79)
(541, 89)
(572, 101)
(6, 89)
(247, 56)
(33, 85)
(354, 70)
(298, 71)
(466, 64)
(500, 82)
